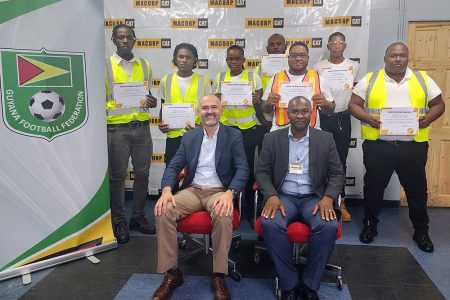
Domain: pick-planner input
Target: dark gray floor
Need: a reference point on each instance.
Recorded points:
(390, 268)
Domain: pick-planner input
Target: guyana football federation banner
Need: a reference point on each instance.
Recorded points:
(54, 172)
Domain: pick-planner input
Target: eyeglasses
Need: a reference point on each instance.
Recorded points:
(333, 43)
(298, 55)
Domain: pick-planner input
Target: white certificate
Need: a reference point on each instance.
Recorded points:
(291, 90)
(273, 63)
(177, 115)
(399, 121)
(130, 94)
(338, 79)
(236, 93)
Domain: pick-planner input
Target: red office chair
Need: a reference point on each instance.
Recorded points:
(200, 223)
(299, 234)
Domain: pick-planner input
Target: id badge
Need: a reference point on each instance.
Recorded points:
(296, 169)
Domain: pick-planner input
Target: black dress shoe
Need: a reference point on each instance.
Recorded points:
(305, 293)
(121, 232)
(290, 295)
(142, 225)
(369, 231)
(423, 241)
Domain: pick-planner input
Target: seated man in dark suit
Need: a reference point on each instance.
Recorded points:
(217, 170)
(301, 176)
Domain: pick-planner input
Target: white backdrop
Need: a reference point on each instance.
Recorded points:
(216, 24)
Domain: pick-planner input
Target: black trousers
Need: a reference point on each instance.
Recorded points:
(341, 127)
(253, 138)
(171, 148)
(408, 159)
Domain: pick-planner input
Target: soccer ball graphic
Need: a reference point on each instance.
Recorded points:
(46, 106)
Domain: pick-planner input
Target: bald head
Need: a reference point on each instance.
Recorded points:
(299, 99)
(276, 44)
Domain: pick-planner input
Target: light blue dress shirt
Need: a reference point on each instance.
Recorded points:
(298, 184)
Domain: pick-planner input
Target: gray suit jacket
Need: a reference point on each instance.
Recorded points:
(325, 169)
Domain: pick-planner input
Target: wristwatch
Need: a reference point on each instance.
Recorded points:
(233, 191)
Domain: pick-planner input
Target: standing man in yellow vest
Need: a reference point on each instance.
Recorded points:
(183, 86)
(128, 134)
(276, 44)
(298, 62)
(243, 117)
(339, 123)
(396, 86)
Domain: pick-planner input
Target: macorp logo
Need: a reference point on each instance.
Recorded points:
(302, 3)
(226, 3)
(252, 63)
(310, 42)
(181, 23)
(225, 43)
(264, 22)
(342, 21)
(164, 43)
(43, 92)
(151, 3)
(110, 23)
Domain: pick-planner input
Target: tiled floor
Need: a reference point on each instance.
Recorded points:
(390, 268)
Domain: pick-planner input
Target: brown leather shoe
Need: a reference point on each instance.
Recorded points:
(220, 287)
(344, 212)
(169, 284)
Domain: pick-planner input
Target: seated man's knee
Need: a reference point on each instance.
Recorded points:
(270, 224)
(327, 227)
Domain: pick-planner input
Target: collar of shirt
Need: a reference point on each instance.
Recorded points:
(405, 78)
(205, 134)
(120, 59)
(291, 136)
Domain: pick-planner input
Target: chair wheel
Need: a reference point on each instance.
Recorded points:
(256, 257)
(182, 245)
(235, 275)
(339, 282)
(277, 289)
(237, 245)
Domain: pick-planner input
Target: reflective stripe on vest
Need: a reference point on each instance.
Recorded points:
(242, 116)
(281, 114)
(115, 73)
(196, 90)
(376, 99)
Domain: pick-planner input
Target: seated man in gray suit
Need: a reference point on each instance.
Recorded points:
(301, 176)
(216, 171)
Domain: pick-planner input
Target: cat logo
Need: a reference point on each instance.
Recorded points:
(352, 143)
(202, 63)
(154, 120)
(152, 4)
(357, 59)
(345, 21)
(316, 43)
(302, 3)
(110, 23)
(350, 181)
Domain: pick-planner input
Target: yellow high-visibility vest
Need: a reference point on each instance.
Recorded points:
(196, 90)
(241, 116)
(264, 78)
(376, 99)
(114, 73)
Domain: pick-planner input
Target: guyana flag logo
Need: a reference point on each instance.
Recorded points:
(43, 93)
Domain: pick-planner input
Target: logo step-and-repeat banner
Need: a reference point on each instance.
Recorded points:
(214, 25)
(54, 175)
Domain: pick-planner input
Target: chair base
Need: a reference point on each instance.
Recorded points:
(299, 258)
(204, 247)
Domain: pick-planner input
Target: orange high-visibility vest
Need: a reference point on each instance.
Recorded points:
(281, 113)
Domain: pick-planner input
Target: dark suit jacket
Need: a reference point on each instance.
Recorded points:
(231, 162)
(325, 168)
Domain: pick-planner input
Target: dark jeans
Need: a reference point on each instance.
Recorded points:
(253, 138)
(341, 127)
(124, 142)
(321, 242)
(408, 159)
